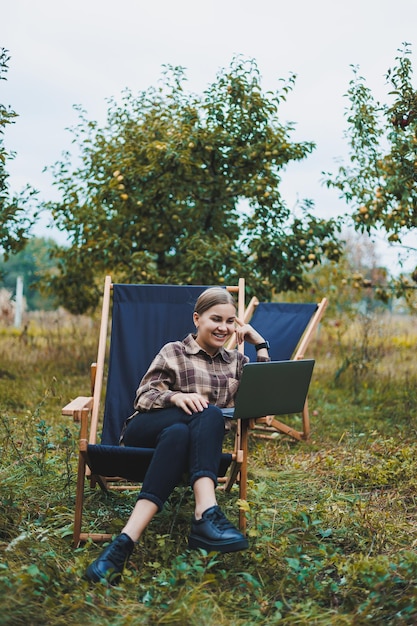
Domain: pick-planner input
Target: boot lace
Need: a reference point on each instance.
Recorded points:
(219, 519)
(119, 553)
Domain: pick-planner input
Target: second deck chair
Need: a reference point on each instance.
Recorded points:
(289, 328)
(144, 318)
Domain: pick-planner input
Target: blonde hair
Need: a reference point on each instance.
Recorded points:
(212, 296)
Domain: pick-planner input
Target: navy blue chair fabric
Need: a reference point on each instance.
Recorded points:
(283, 325)
(145, 317)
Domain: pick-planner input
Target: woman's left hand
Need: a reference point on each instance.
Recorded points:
(245, 332)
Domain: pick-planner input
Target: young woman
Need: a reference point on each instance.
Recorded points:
(178, 412)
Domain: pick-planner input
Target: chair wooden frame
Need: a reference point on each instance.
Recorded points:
(86, 411)
(268, 426)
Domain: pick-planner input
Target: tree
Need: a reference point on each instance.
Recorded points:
(181, 188)
(16, 216)
(380, 182)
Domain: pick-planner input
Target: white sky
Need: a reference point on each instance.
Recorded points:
(84, 51)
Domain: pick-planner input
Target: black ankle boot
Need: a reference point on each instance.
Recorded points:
(214, 532)
(110, 564)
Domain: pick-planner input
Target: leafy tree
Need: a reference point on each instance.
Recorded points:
(16, 216)
(181, 188)
(29, 263)
(380, 182)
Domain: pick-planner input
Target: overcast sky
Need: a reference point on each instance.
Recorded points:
(85, 51)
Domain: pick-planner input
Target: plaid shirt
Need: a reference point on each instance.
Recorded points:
(183, 366)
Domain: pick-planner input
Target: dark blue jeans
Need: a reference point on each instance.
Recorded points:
(183, 444)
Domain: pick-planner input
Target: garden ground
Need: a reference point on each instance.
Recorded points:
(332, 522)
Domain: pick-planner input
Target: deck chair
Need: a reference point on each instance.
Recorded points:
(289, 328)
(144, 318)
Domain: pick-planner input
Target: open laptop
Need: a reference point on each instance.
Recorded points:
(272, 388)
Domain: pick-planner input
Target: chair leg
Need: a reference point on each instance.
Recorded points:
(82, 417)
(306, 421)
(234, 471)
(79, 499)
(243, 481)
(279, 427)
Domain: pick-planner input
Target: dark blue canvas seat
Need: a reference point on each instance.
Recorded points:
(284, 324)
(143, 319)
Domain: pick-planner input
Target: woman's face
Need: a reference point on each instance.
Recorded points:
(215, 326)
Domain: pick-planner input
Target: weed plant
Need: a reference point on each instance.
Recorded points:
(332, 523)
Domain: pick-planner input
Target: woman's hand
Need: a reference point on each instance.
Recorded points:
(245, 332)
(189, 402)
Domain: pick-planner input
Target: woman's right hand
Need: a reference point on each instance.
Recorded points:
(189, 402)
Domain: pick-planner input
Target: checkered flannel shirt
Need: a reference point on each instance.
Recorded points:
(182, 366)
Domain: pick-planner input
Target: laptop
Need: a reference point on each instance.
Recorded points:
(272, 388)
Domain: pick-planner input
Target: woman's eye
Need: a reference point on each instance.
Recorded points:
(219, 320)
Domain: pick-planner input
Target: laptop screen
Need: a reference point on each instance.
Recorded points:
(272, 388)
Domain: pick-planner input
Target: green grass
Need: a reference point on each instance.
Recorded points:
(332, 523)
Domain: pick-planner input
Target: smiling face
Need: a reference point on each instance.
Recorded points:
(215, 326)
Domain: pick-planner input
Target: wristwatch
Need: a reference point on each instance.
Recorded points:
(264, 344)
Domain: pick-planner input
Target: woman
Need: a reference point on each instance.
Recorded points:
(178, 412)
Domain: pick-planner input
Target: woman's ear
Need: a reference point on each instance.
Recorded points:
(195, 319)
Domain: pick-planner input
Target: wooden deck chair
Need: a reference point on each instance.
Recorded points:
(289, 328)
(144, 318)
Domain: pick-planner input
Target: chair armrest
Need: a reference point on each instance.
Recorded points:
(75, 406)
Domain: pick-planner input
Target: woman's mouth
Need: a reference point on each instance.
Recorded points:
(220, 336)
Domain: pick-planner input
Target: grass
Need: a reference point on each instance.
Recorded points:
(332, 523)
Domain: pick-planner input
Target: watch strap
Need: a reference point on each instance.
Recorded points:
(264, 344)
